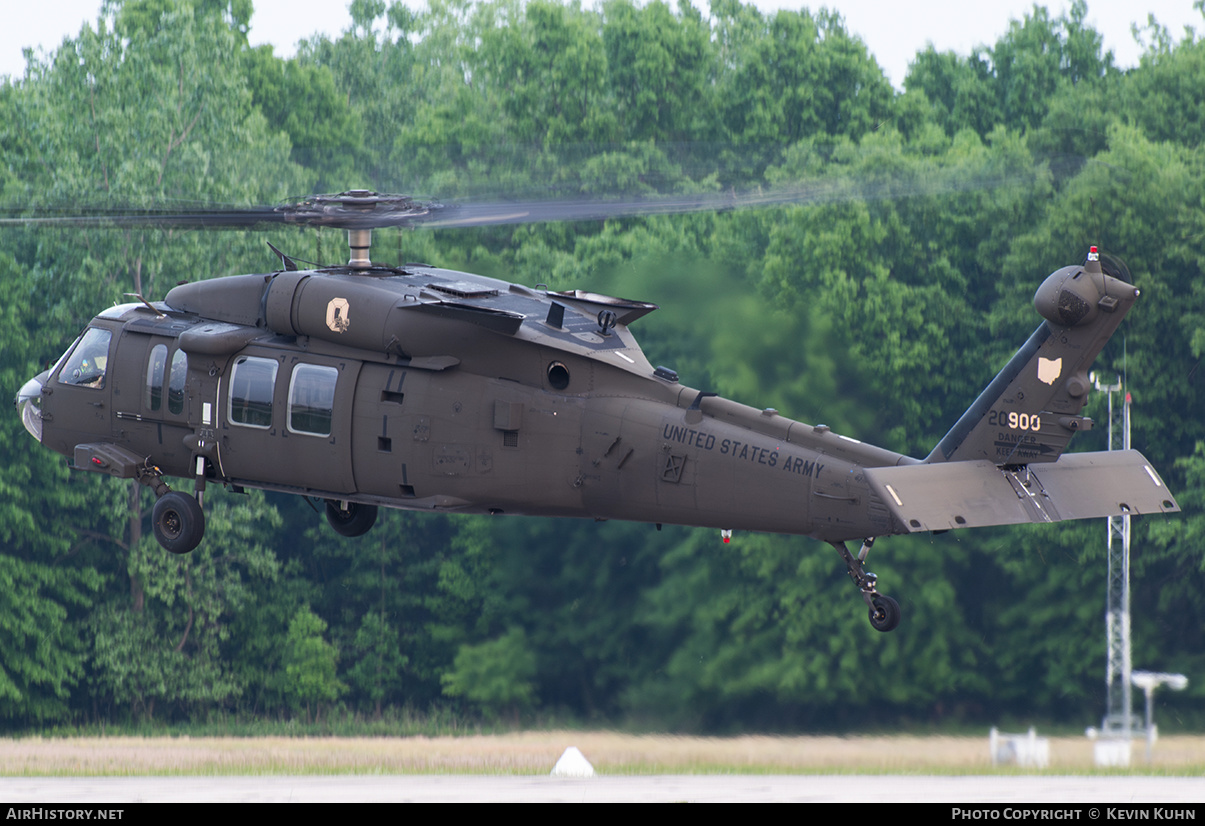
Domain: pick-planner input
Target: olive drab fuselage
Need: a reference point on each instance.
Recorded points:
(428, 389)
(555, 418)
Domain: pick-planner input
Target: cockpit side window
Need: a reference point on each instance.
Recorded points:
(88, 362)
(156, 370)
(154, 377)
(175, 389)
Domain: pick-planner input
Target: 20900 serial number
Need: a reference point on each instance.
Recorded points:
(1014, 420)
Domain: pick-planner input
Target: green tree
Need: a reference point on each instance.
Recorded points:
(1015, 82)
(164, 117)
(309, 664)
(550, 70)
(769, 631)
(47, 587)
(1168, 573)
(165, 640)
(1163, 96)
(140, 18)
(300, 99)
(906, 250)
(377, 672)
(803, 77)
(495, 675)
(960, 90)
(658, 68)
(41, 654)
(401, 600)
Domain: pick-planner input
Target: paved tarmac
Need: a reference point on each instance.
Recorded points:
(1097, 790)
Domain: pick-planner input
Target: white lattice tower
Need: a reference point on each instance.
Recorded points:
(1118, 720)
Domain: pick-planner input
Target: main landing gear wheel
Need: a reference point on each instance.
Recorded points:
(178, 521)
(350, 518)
(884, 613)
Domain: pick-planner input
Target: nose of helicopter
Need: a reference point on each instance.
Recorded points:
(29, 403)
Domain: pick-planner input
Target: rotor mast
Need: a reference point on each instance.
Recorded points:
(359, 241)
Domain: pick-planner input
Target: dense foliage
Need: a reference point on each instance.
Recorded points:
(880, 309)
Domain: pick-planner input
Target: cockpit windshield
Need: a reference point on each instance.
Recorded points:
(89, 360)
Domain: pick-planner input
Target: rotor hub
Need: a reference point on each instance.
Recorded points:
(356, 209)
(359, 211)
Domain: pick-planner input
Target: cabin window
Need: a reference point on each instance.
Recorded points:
(251, 386)
(312, 399)
(154, 377)
(175, 389)
(88, 361)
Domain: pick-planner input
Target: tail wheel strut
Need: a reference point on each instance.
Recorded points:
(884, 611)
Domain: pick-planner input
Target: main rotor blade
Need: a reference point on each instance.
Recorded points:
(357, 209)
(361, 209)
(463, 215)
(815, 192)
(217, 217)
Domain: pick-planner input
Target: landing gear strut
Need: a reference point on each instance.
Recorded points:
(884, 611)
(178, 521)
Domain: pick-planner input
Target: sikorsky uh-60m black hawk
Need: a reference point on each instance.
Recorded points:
(422, 388)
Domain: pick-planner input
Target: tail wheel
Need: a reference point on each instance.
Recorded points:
(884, 613)
(350, 519)
(179, 522)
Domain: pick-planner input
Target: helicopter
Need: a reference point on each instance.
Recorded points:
(422, 388)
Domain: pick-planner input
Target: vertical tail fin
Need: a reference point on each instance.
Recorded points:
(1030, 411)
